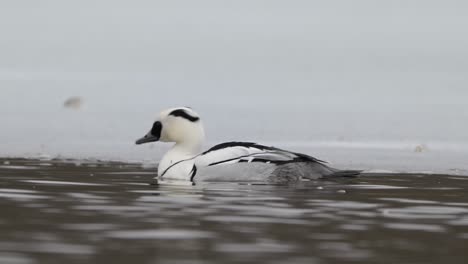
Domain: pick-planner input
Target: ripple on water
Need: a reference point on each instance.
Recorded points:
(460, 222)
(359, 213)
(255, 219)
(21, 196)
(163, 234)
(344, 204)
(14, 258)
(259, 247)
(354, 227)
(456, 204)
(48, 248)
(62, 183)
(424, 212)
(344, 250)
(17, 191)
(89, 227)
(175, 200)
(134, 183)
(415, 227)
(411, 201)
(129, 173)
(376, 187)
(86, 196)
(248, 199)
(327, 236)
(444, 188)
(151, 192)
(265, 210)
(112, 208)
(90, 198)
(63, 248)
(11, 167)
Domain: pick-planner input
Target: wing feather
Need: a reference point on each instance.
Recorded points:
(234, 152)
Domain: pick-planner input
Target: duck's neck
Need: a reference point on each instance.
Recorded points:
(179, 152)
(185, 149)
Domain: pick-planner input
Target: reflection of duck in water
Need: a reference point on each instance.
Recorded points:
(231, 161)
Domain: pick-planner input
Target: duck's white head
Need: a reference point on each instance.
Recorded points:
(181, 125)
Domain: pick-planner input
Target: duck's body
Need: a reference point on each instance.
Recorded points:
(231, 161)
(246, 161)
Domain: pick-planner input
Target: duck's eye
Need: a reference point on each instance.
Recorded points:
(156, 129)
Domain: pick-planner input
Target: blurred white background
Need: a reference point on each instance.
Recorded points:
(366, 84)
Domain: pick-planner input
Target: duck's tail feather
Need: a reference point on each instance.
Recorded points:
(345, 173)
(317, 170)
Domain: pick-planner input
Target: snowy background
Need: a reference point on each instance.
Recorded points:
(379, 85)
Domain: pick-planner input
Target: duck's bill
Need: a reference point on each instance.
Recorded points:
(147, 139)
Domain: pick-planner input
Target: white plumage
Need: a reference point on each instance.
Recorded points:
(230, 161)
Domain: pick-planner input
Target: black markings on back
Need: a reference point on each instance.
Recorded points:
(239, 144)
(297, 157)
(156, 129)
(193, 173)
(247, 159)
(182, 113)
(276, 162)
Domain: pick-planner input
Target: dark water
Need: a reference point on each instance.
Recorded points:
(70, 212)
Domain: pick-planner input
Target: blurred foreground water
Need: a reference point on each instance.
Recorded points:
(95, 212)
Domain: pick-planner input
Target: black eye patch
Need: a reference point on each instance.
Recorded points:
(156, 129)
(184, 114)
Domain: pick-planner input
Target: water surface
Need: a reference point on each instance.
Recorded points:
(96, 212)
